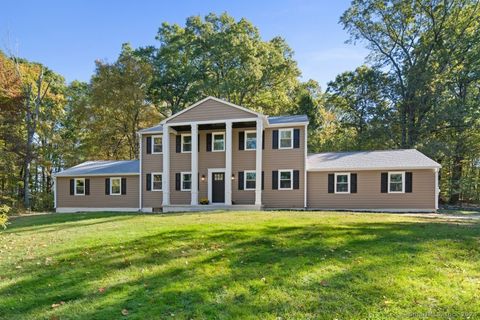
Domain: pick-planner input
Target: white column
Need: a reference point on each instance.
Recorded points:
(258, 163)
(166, 165)
(437, 189)
(228, 162)
(194, 164)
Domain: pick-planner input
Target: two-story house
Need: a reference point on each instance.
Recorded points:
(217, 155)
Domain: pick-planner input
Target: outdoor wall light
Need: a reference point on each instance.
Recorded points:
(203, 177)
(233, 176)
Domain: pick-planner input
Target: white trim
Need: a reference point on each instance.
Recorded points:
(150, 132)
(245, 179)
(152, 179)
(166, 166)
(54, 192)
(280, 138)
(280, 182)
(181, 180)
(217, 121)
(369, 169)
(305, 175)
(374, 211)
(245, 140)
(75, 187)
(86, 175)
(437, 189)
(259, 163)
(120, 191)
(209, 182)
(153, 143)
(206, 99)
(181, 142)
(140, 200)
(94, 209)
(228, 161)
(218, 133)
(282, 125)
(194, 166)
(403, 181)
(348, 182)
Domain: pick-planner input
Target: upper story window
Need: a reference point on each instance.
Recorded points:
(218, 141)
(115, 186)
(186, 143)
(186, 183)
(285, 138)
(250, 181)
(342, 182)
(250, 140)
(285, 179)
(156, 181)
(80, 187)
(157, 143)
(396, 182)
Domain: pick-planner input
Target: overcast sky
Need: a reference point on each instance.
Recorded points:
(68, 36)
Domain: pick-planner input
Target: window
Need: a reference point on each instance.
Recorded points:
(396, 182)
(285, 137)
(285, 179)
(342, 182)
(115, 186)
(249, 182)
(157, 142)
(186, 181)
(218, 141)
(156, 181)
(186, 143)
(80, 187)
(250, 140)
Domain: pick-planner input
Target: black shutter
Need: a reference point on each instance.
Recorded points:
(275, 179)
(275, 139)
(263, 139)
(124, 185)
(353, 183)
(149, 145)
(72, 187)
(177, 181)
(240, 180)
(296, 138)
(408, 182)
(107, 186)
(384, 183)
(296, 179)
(241, 140)
(178, 144)
(149, 182)
(209, 142)
(331, 183)
(263, 181)
(87, 187)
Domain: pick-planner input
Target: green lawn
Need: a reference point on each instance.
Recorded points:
(265, 265)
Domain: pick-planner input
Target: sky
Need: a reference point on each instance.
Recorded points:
(68, 36)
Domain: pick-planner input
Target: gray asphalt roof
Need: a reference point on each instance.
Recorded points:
(287, 119)
(102, 168)
(366, 160)
(157, 128)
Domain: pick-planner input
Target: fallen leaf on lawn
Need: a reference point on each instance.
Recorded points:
(324, 283)
(101, 290)
(125, 312)
(264, 279)
(56, 305)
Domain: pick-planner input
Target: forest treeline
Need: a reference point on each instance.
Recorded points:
(419, 88)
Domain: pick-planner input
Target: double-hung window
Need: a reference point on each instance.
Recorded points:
(186, 143)
(156, 181)
(285, 178)
(115, 186)
(80, 187)
(218, 141)
(186, 181)
(396, 182)
(250, 180)
(157, 142)
(342, 182)
(250, 140)
(285, 138)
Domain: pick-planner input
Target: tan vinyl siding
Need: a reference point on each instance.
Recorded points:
(211, 110)
(97, 197)
(368, 194)
(179, 162)
(277, 159)
(241, 160)
(150, 163)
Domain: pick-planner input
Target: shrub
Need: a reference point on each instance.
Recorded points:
(4, 210)
(204, 201)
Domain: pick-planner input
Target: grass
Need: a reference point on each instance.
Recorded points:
(265, 265)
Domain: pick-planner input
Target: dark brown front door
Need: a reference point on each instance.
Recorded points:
(218, 187)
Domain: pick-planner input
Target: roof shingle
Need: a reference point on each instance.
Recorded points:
(101, 168)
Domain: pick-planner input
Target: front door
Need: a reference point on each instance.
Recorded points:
(218, 187)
